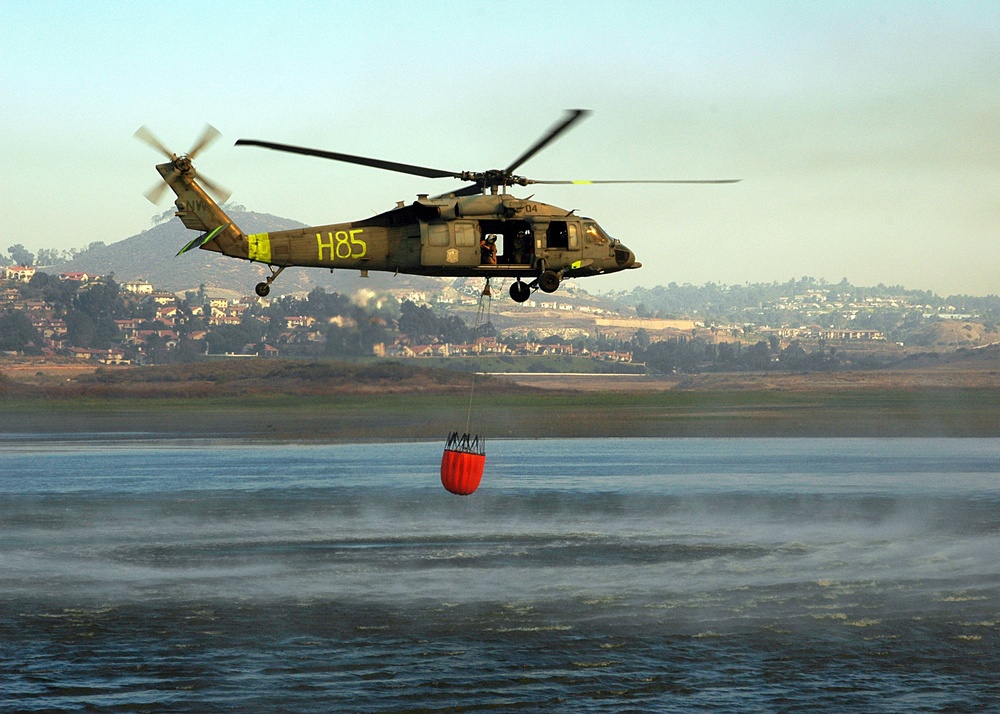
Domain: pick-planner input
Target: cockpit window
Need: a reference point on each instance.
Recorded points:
(595, 236)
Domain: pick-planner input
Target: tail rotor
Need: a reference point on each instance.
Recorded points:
(182, 164)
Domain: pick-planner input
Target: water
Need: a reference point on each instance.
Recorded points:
(584, 575)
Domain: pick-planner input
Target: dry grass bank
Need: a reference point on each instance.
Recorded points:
(329, 401)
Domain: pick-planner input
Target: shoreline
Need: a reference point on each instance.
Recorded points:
(43, 443)
(349, 418)
(325, 402)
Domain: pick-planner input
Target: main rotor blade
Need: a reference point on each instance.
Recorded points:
(208, 135)
(473, 189)
(144, 135)
(572, 116)
(552, 183)
(361, 160)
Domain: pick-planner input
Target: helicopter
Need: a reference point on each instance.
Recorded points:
(477, 230)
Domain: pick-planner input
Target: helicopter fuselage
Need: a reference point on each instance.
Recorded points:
(473, 236)
(477, 230)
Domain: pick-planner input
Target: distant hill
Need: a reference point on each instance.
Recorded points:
(152, 256)
(949, 333)
(985, 358)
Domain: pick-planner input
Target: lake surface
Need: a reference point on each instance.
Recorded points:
(584, 575)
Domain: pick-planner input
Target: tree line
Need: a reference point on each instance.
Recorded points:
(17, 254)
(340, 328)
(337, 326)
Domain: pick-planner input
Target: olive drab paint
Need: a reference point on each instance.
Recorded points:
(431, 236)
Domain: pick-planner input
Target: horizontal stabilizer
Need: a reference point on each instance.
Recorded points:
(203, 239)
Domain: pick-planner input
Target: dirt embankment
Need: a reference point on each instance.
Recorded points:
(225, 378)
(906, 380)
(345, 402)
(44, 371)
(54, 378)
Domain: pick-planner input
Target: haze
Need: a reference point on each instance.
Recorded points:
(865, 133)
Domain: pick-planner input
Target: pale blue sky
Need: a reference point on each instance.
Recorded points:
(865, 132)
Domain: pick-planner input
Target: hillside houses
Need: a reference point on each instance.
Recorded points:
(77, 277)
(121, 327)
(83, 317)
(137, 287)
(19, 273)
(110, 355)
(825, 334)
(491, 346)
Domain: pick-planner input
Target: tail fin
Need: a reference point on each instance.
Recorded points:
(194, 207)
(199, 212)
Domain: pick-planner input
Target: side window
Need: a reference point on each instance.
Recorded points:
(557, 236)
(574, 238)
(437, 234)
(465, 235)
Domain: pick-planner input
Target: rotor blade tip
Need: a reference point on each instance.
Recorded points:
(155, 194)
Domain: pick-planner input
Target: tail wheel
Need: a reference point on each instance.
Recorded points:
(262, 289)
(548, 281)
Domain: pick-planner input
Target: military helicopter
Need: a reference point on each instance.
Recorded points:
(478, 230)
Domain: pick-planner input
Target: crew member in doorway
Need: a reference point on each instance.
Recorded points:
(522, 246)
(488, 250)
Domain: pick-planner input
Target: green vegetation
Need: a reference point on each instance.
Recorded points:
(394, 416)
(336, 402)
(800, 326)
(19, 255)
(237, 377)
(541, 364)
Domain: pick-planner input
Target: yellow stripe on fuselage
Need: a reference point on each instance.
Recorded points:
(259, 247)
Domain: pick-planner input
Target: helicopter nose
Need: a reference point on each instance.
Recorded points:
(625, 258)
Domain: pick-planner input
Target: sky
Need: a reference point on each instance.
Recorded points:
(865, 133)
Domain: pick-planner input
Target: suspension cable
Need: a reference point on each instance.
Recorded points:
(485, 307)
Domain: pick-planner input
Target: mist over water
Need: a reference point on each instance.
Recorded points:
(740, 574)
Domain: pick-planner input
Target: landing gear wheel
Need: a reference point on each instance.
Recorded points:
(262, 289)
(519, 292)
(548, 281)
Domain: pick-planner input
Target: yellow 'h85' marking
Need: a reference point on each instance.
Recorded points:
(342, 245)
